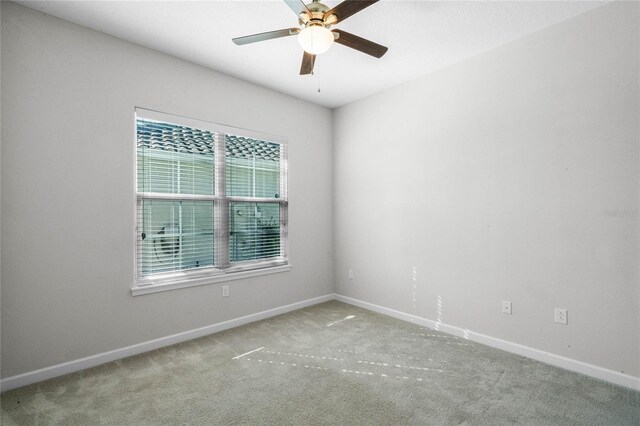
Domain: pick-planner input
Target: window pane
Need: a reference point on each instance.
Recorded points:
(252, 167)
(255, 231)
(175, 159)
(177, 192)
(175, 235)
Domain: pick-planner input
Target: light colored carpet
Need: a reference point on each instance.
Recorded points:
(328, 364)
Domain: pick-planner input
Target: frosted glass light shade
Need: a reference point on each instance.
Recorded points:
(315, 39)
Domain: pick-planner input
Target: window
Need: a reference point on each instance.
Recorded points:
(211, 203)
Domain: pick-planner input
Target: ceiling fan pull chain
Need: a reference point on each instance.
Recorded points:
(317, 74)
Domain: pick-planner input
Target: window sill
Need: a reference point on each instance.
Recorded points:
(138, 290)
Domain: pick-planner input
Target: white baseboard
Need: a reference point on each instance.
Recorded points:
(102, 358)
(515, 348)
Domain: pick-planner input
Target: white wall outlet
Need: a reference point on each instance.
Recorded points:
(225, 291)
(561, 316)
(350, 274)
(506, 307)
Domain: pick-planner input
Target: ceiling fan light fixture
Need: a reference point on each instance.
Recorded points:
(315, 39)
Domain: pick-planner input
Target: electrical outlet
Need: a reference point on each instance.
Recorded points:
(506, 307)
(225, 291)
(350, 274)
(561, 316)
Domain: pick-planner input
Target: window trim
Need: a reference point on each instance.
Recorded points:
(232, 271)
(194, 281)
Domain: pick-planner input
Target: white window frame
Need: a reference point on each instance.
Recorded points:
(222, 270)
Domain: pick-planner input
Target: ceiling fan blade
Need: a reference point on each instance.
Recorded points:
(266, 36)
(296, 5)
(348, 8)
(308, 60)
(359, 43)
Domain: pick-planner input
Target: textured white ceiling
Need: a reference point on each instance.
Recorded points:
(422, 36)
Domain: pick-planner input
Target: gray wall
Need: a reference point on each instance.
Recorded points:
(510, 176)
(68, 95)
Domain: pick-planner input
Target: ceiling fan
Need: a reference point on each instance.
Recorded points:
(314, 34)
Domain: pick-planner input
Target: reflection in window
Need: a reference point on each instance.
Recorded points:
(255, 231)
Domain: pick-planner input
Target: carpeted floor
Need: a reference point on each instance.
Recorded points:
(328, 364)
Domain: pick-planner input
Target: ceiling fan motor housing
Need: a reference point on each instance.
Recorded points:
(314, 15)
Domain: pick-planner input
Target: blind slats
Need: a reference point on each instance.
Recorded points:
(179, 199)
(252, 167)
(176, 235)
(255, 231)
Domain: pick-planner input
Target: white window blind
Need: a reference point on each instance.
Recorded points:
(208, 201)
(253, 186)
